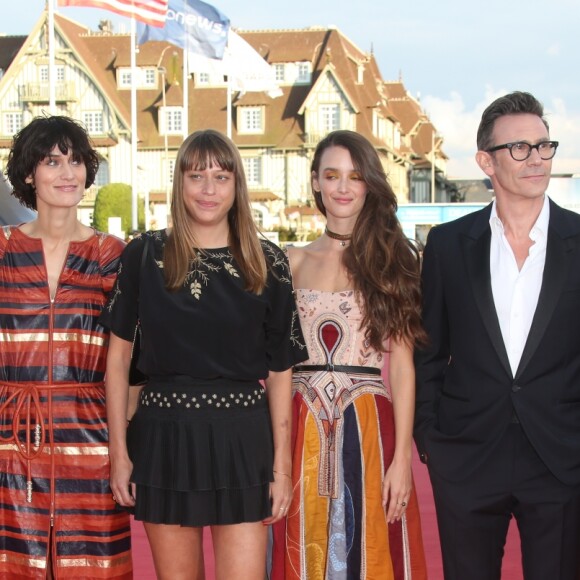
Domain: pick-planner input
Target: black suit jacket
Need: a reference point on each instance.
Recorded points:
(466, 392)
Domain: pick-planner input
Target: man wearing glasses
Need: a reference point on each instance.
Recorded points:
(498, 385)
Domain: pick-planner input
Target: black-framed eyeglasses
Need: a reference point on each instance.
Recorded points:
(521, 150)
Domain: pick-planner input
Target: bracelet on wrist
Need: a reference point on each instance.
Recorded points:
(281, 473)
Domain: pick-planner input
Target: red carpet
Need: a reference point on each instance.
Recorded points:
(512, 570)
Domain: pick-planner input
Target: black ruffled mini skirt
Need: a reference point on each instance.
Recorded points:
(202, 452)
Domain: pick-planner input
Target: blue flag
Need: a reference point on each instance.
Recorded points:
(193, 25)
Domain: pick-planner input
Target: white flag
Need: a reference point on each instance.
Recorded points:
(246, 70)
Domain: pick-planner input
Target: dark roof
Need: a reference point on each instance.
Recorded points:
(9, 47)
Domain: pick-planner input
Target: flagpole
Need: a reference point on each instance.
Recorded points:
(51, 60)
(134, 197)
(185, 92)
(185, 79)
(433, 196)
(229, 107)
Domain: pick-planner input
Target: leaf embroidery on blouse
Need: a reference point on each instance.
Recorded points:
(116, 290)
(279, 263)
(202, 266)
(195, 288)
(295, 336)
(231, 270)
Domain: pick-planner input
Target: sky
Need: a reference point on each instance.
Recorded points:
(455, 56)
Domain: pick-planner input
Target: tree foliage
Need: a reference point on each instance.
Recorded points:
(115, 200)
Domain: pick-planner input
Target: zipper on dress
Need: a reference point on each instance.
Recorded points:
(49, 397)
(52, 299)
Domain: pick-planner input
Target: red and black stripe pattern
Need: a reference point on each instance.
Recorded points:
(55, 500)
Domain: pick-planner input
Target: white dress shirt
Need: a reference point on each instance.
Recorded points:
(516, 292)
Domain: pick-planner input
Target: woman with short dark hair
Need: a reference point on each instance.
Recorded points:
(59, 519)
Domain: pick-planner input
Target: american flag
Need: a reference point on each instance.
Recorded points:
(150, 12)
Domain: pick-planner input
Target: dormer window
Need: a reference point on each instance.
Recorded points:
(149, 77)
(171, 120)
(146, 77)
(303, 72)
(280, 72)
(124, 78)
(202, 78)
(251, 120)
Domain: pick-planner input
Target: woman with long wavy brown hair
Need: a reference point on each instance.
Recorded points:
(354, 511)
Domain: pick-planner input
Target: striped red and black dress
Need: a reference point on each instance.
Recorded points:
(54, 467)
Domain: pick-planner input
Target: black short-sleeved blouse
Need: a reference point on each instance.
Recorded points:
(212, 327)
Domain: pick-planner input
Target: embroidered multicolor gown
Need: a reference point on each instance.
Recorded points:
(54, 468)
(343, 442)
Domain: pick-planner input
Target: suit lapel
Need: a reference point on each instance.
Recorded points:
(476, 248)
(559, 256)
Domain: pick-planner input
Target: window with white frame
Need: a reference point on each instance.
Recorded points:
(397, 138)
(171, 120)
(202, 78)
(253, 170)
(280, 72)
(149, 78)
(102, 177)
(303, 72)
(258, 218)
(329, 118)
(170, 170)
(146, 77)
(124, 78)
(43, 73)
(93, 121)
(11, 123)
(251, 119)
(379, 126)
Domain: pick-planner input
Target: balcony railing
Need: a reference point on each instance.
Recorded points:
(40, 92)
